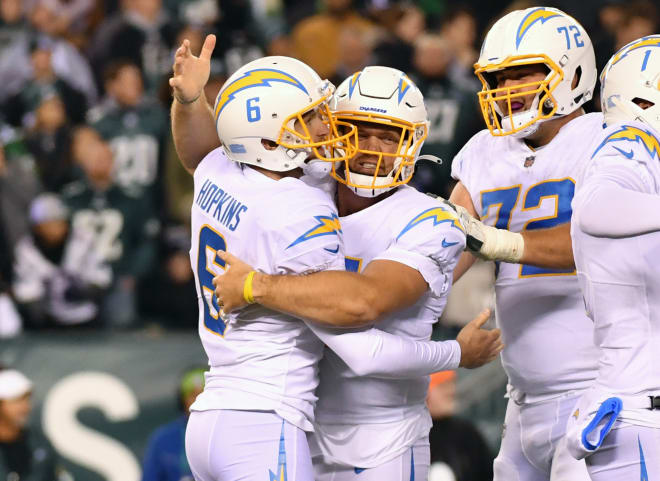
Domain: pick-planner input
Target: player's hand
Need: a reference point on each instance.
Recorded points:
(229, 285)
(191, 73)
(484, 241)
(473, 231)
(479, 346)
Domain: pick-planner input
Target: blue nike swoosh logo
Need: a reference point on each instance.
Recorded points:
(359, 470)
(448, 244)
(628, 155)
(336, 249)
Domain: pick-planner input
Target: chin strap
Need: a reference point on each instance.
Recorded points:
(431, 158)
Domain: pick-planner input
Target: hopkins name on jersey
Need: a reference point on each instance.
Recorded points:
(261, 360)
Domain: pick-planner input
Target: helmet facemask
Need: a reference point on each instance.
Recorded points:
(501, 120)
(293, 139)
(402, 158)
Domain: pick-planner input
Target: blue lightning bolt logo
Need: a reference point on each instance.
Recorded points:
(326, 225)
(652, 41)
(643, 475)
(633, 134)
(439, 216)
(254, 78)
(352, 83)
(280, 475)
(531, 18)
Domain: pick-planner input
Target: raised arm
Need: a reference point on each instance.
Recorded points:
(193, 128)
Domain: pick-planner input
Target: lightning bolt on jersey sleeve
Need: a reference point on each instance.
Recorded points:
(618, 277)
(263, 360)
(312, 241)
(618, 196)
(430, 241)
(372, 352)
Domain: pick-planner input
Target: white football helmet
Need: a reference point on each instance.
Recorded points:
(633, 75)
(539, 35)
(379, 95)
(262, 101)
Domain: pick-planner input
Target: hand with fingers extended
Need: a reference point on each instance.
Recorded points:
(479, 346)
(191, 73)
(230, 285)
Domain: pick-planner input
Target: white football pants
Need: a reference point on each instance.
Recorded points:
(227, 445)
(412, 465)
(533, 446)
(628, 452)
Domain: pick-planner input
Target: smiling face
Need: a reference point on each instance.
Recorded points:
(375, 139)
(518, 80)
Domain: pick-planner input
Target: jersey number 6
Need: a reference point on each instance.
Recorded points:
(210, 265)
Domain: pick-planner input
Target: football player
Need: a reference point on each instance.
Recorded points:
(395, 143)
(537, 69)
(616, 424)
(405, 246)
(259, 394)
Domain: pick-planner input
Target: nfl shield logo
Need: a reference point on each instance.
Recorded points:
(529, 161)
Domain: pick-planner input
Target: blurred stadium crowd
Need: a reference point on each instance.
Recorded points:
(94, 206)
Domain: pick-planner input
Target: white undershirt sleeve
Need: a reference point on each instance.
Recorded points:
(373, 352)
(614, 204)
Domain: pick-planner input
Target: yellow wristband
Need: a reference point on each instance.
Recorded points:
(247, 288)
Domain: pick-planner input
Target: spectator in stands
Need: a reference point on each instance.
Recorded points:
(315, 38)
(165, 459)
(25, 454)
(142, 32)
(459, 29)
(640, 18)
(49, 143)
(458, 451)
(68, 18)
(397, 50)
(57, 277)
(45, 82)
(11, 323)
(167, 294)
(355, 47)
(19, 184)
(121, 227)
(14, 37)
(136, 128)
(68, 62)
(452, 109)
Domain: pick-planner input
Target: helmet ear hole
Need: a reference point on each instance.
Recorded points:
(642, 103)
(268, 144)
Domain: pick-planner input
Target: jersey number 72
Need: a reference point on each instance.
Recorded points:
(505, 200)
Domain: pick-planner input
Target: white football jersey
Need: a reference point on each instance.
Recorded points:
(366, 421)
(619, 277)
(547, 334)
(279, 227)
